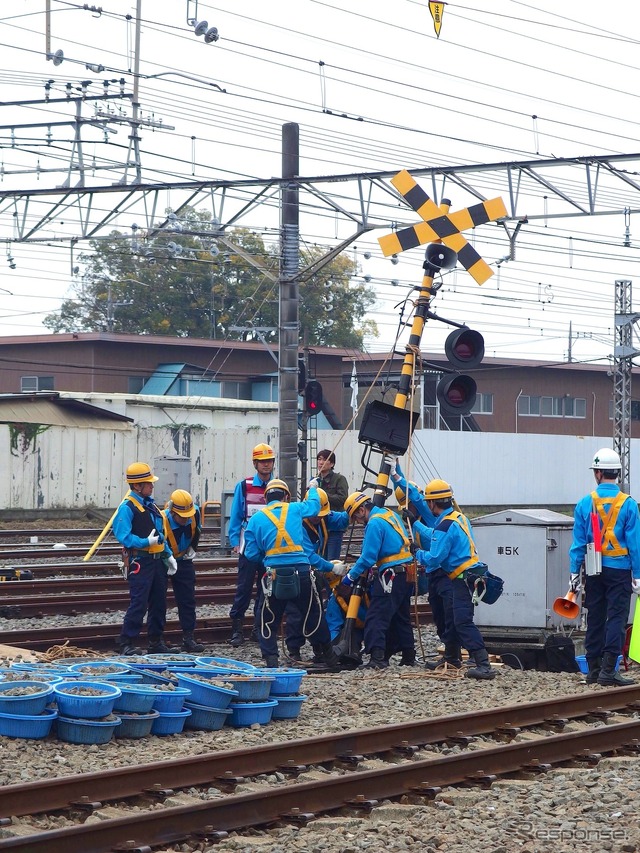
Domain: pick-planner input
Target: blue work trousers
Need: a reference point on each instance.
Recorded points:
(184, 591)
(147, 594)
(293, 629)
(468, 633)
(308, 610)
(249, 572)
(389, 616)
(441, 600)
(607, 599)
(334, 545)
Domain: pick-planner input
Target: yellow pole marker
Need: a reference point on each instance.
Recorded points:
(96, 544)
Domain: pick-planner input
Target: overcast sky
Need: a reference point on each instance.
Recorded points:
(372, 89)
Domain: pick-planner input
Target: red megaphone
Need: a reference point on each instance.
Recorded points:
(567, 607)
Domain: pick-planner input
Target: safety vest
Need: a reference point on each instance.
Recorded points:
(314, 533)
(283, 544)
(610, 545)
(171, 538)
(142, 524)
(473, 560)
(404, 554)
(253, 497)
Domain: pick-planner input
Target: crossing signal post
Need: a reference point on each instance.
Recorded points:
(456, 393)
(313, 397)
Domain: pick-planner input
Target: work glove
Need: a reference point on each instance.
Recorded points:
(340, 568)
(574, 585)
(414, 548)
(390, 460)
(635, 586)
(313, 483)
(172, 565)
(153, 538)
(345, 588)
(189, 554)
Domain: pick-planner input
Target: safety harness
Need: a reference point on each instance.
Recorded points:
(171, 538)
(283, 544)
(318, 536)
(610, 545)
(463, 522)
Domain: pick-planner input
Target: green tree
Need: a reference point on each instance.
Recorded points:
(185, 282)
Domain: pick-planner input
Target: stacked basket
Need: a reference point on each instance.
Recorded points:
(285, 689)
(85, 710)
(210, 698)
(23, 709)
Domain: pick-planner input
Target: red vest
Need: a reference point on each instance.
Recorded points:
(253, 497)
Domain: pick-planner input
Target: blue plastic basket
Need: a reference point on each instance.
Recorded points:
(31, 704)
(168, 659)
(249, 713)
(581, 660)
(73, 730)
(288, 707)
(287, 681)
(135, 699)
(86, 707)
(251, 688)
(170, 701)
(208, 719)
(105, 669)
(136, 725)
(150, 677)
(209, 695)
(170, 723)
(227, 664)
(32, 726)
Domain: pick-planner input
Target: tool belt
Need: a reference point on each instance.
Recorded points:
(282, 582)
(483, 586)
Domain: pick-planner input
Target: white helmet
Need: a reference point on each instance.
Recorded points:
(606, 459)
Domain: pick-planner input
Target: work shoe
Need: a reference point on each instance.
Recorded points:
(452, 656)
(237, 637)
(254, 637)
(157, 646)
(408, 657)
(595, 666)
(609, 676)
(190, 644)
(482, 670)
(294, 654)
(271, 661)
(329, 661)
(129, 649)
(376, 660)
(317, 653)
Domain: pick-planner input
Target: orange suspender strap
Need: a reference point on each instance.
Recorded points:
(610, 545)
(405, 551)
(171, 539)
(284, 544)
(151, 549)
(460, 519)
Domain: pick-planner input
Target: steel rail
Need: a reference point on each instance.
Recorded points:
(92, 569)
(112, 582)
(221, 767)
(300, 802)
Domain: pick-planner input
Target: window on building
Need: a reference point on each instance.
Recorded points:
(483, 405)
(552, 407)
(135, 384)
(29, 384)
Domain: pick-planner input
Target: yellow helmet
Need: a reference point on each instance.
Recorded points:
(400, 492)
(261, 452)
(181, 503)
(272, 485)
(325, 509)
(438, 490)
(140, 472)
(354, 502)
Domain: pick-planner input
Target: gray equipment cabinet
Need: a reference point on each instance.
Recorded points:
(529, 550)
(173, 472)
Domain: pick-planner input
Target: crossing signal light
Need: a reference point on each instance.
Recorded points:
(313, 397)
(456, 393)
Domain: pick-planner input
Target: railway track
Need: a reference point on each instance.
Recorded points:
(406, 771)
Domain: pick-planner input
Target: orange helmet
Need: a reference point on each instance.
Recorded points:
(354, 502)
(140, 472)
(325, 509)
(261, 452)
(181, 503)
(438, 490)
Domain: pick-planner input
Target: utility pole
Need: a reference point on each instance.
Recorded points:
(623, 355)
(288, 294)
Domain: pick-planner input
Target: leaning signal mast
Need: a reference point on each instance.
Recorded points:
(387, 427)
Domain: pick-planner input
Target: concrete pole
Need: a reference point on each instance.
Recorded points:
(288, 322)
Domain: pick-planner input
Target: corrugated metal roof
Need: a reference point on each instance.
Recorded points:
(53, 411)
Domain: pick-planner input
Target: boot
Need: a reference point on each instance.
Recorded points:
(408, 657)
(254, 637)
(126, 647)
(271, 661)
(317, 653)
(377, 660)
(595, 665)
(329, 661)
(452, 657)
(189, 644)
(482, 669)
(609, 676)
(294, 654)
(157, 646)
(237, 637)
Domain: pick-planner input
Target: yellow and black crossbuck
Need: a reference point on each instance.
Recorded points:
(444, 227)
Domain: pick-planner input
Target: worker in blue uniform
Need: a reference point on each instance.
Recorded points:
(248, 498)
(147, 560)
(182, 530)
(613, 517)
(385, 554)
(452, 550)
(274, 537)
(317, 536)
